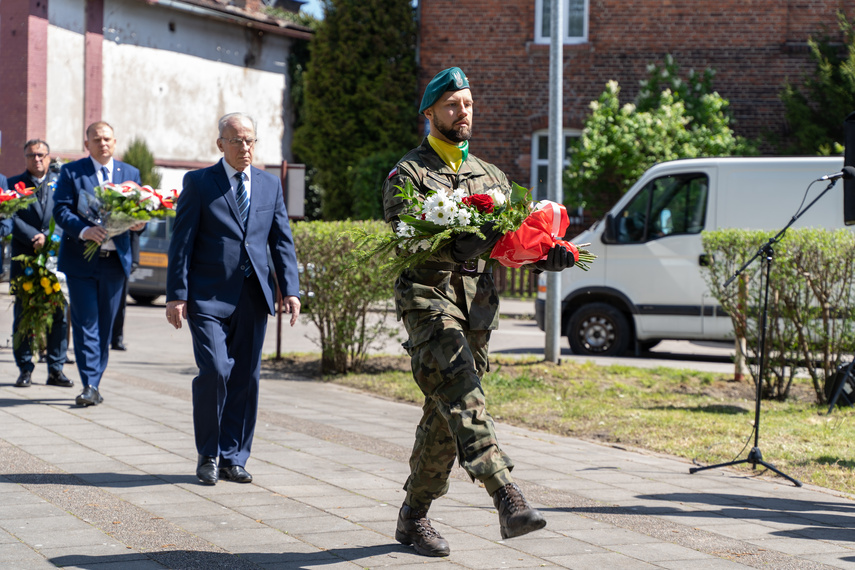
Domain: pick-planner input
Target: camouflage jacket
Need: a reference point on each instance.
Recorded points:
(470, 297)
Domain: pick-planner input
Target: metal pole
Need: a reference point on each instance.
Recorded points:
(555, 190)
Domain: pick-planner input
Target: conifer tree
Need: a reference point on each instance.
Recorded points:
(360, 93)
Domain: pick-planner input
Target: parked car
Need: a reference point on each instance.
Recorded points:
(148, 281)
(646, 284)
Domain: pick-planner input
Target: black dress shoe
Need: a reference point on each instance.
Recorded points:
(235, 473)
(89, 397)
(24, 380)
(57, 378)
(206, 470)
(118, 345)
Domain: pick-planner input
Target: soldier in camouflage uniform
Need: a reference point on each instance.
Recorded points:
(449, 305)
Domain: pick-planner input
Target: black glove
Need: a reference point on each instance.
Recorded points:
(557, 259)
(468, 246)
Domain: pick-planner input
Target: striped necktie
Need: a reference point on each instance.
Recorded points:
(242, 198)
(105, 175)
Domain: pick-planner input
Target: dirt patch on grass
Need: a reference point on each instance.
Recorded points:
(308, 366)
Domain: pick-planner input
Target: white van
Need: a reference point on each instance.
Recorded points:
(646, 284)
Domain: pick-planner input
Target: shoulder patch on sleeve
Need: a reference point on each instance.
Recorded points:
(392, 173)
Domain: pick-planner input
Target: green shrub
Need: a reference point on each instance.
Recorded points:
(816, 106)
(809, 325)
(340, 296)
(140, 156)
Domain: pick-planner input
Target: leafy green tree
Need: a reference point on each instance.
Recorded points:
(140, 156)
(619, 142)
(816, 109)
(360, 93)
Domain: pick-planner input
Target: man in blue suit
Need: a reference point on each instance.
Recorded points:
(220, 280)
(30, 230)
(94, 286)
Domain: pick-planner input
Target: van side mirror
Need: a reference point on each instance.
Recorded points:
(609, 233)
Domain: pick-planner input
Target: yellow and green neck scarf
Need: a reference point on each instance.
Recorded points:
(451, 154)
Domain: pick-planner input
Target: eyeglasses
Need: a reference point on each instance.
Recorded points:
(39, 155)
(240, 142)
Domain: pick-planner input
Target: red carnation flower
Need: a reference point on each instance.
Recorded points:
(481, 202)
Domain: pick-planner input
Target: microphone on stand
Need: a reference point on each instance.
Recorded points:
(847, 173)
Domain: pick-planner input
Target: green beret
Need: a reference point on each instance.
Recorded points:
(451, 79)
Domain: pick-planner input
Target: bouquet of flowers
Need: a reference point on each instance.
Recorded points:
(537, 234)
(15, 199)
(118, 207)
(39, 289)
(435, 220)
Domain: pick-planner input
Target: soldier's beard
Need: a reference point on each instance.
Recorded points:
(455, 134)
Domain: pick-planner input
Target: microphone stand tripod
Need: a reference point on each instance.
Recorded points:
(755, 456)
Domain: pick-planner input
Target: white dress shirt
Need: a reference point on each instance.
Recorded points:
(247, 184)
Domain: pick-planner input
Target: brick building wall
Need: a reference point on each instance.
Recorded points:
(753, 45)
(23, 44)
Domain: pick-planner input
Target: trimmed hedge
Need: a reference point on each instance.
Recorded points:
(809, 324)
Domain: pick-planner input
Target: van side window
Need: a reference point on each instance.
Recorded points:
(670, 205)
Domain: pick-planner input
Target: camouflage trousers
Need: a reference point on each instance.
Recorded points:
(448, 362)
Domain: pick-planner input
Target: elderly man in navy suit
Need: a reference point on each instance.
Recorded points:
(94, 286)
(219, 280)
(31, 227)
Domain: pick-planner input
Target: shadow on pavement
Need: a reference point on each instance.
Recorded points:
(191, 560)
(822, 520)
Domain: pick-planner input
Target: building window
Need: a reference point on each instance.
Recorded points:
(540, 160)
(575, 23)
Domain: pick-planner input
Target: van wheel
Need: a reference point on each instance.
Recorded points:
(598, 329)
(143, 299)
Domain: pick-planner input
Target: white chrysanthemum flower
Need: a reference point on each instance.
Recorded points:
(442, 215)
(458, 194)
(464, 217)
(438, 199)
(405, 230)
(498, 197)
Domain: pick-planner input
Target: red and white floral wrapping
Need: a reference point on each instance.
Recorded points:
(539, 233)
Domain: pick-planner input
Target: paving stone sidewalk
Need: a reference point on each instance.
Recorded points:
(113, 487)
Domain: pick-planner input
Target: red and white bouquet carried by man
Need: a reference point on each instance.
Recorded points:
(118, 207)
(437, 219)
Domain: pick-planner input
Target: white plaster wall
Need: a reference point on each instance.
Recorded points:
(175, 108)
(169, 86)
(65, 67)
(168, 76)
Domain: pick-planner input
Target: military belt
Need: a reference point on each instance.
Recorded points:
(470, 266)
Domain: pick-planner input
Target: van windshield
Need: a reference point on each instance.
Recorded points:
(669, 205)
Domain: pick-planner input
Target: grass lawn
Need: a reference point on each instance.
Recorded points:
(695, 415)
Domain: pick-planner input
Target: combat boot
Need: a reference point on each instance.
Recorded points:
(516, 516)
(414, 528)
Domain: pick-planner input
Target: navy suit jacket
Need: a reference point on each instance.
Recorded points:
(209, 242)
(32, 220)
(74, 178)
